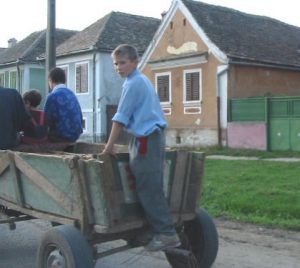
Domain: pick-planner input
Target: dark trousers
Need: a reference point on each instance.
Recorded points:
(147, 156)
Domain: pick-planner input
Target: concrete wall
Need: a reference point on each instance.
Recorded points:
(185, 137)
(256, 81)
(247, 135)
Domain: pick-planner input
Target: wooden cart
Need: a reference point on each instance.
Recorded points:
(90, 199)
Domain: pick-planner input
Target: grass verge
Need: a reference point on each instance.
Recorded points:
(261, 192)
(248, 152)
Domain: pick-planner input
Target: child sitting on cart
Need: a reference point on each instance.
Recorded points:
(36, 131)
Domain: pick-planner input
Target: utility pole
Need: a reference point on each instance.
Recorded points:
(50, 41)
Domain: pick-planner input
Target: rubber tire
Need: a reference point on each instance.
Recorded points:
(200, 236)
(71, 243)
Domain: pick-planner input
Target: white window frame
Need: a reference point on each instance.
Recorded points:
(85, 129)
(170, 86)
(9, 80)
(88, 84)
(185, 102)
(3, 73)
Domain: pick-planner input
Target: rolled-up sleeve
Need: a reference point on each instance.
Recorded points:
(130, 99)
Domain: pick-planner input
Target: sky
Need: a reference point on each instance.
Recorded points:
(19, 18)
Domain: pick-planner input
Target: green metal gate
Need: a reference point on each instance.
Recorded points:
(284, 123)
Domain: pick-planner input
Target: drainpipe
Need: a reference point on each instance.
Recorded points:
(221, 70)
(18, 75)
(50, 41)
(94, 96)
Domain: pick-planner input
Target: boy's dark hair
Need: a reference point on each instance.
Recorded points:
(34, 97)
(125, 50)
(57, 75)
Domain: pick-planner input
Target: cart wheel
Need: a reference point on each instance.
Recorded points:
(200, 237)
(64, 247)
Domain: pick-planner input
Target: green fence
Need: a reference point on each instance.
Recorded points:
(243, 110)
(281, 115)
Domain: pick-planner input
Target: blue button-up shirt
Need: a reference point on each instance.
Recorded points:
(64, 113)
(139, 107)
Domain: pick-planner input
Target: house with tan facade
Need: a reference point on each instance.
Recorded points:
(222, 75)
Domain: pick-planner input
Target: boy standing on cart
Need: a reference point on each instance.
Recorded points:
(140, 113)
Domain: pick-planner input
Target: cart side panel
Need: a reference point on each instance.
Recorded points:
(94, 176)
(117, 187)
(115, 191)
(47, 183)
(194, 183)
(7, 187)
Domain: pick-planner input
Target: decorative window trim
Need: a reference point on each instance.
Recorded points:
(88, 84)
(165, 103)
(167, 110)
(192, 110)
(194, 106)
(194, 102)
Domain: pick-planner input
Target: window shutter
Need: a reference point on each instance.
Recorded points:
(163, 87)
(82, 78)
(192, 86)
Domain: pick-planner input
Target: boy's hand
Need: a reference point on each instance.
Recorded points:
(109, 149)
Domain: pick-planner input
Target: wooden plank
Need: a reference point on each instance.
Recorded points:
(137, 223)
(187, 178)
(45, 185)
(4, 163)
(120, 227)
(87, 216)
(39, 214)
(195, 184)
(178, 181)
(16, 179)
(113, 195)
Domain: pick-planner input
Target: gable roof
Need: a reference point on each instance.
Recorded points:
(110, 31)
(236, 37)
(28, 49)
(245, 37)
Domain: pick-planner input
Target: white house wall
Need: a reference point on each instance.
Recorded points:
(110, 89)
(85, 99)
(108, 86)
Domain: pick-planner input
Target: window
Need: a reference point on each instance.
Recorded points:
(163, 87)
(82, 78)
(192, 86)
(2, 80)
(84, 124)
(13, 79)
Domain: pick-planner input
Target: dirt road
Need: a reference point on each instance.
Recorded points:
(251, 246)
(241, 246)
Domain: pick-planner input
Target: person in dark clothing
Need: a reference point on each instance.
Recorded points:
(13, 117)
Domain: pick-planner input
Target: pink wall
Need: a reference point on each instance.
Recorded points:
(247, 135)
